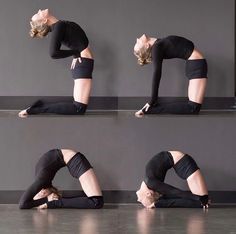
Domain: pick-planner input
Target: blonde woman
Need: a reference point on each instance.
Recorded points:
(73, 36)
(42, 194)
(154, 50)
(153, 192)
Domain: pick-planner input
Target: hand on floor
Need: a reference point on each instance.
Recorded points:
(43, 206)
(23, 113)
(141, 112)
(53, 197)
(151, 206)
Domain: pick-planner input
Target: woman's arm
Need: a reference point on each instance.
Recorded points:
(95, 202)
(157, 59)
(27, 199)
(56, 41)
(169, 190)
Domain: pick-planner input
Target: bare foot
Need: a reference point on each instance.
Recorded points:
(23, 114)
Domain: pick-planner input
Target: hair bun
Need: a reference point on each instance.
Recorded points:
(141, 61)
(38, 29)
(33, 32)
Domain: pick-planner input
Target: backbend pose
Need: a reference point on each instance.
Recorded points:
(71, 35)
(154, 192)
(149, 49)
(43, 194)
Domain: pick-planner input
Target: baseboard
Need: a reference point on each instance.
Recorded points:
(115, 196)
(113, 103)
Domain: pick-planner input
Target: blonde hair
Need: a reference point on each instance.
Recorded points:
(39, 29)
(144, 55)
(154, 197)
(55, 190)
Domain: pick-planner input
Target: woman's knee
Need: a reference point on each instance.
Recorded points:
(80, 107)
(68, 154)
(98, 201)
(194, 107)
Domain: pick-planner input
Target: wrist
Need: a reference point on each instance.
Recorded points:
(77, 54)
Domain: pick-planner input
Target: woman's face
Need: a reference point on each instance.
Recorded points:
(144, 196)
(140, 42)
(42, 193)
(41, 15)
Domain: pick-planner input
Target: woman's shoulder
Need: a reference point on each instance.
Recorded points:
(175, 38)
(59, 24)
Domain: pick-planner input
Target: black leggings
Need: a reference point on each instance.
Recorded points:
(61, 108)
(94, 202)
(184, 107)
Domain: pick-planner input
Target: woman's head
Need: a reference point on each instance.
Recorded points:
(39, 24)
(146, 196)
(142, 50)
(46, 192)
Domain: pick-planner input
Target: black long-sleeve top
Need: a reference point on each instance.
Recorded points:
(155, 173)
(167, 48)
(69, 34)
(45, 170)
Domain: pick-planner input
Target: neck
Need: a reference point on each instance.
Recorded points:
(152, 40)
(51, 20)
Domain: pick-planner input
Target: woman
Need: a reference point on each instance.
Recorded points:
(154, 192)
(149, 49)
(43, 194)
(71, 35)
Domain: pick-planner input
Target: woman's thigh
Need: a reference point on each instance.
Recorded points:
(82, 89)
(196, 90)
(196, 183)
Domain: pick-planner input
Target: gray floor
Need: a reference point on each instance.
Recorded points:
(122, 113)
(118, 219)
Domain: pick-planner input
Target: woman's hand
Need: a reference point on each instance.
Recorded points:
(43, 206)
(53, 197)
(74, 61)
(141, 112)
(151, 206)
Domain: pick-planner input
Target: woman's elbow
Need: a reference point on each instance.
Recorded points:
(23, 206)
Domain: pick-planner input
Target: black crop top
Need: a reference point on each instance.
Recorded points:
(167, 48)
(69, 34)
